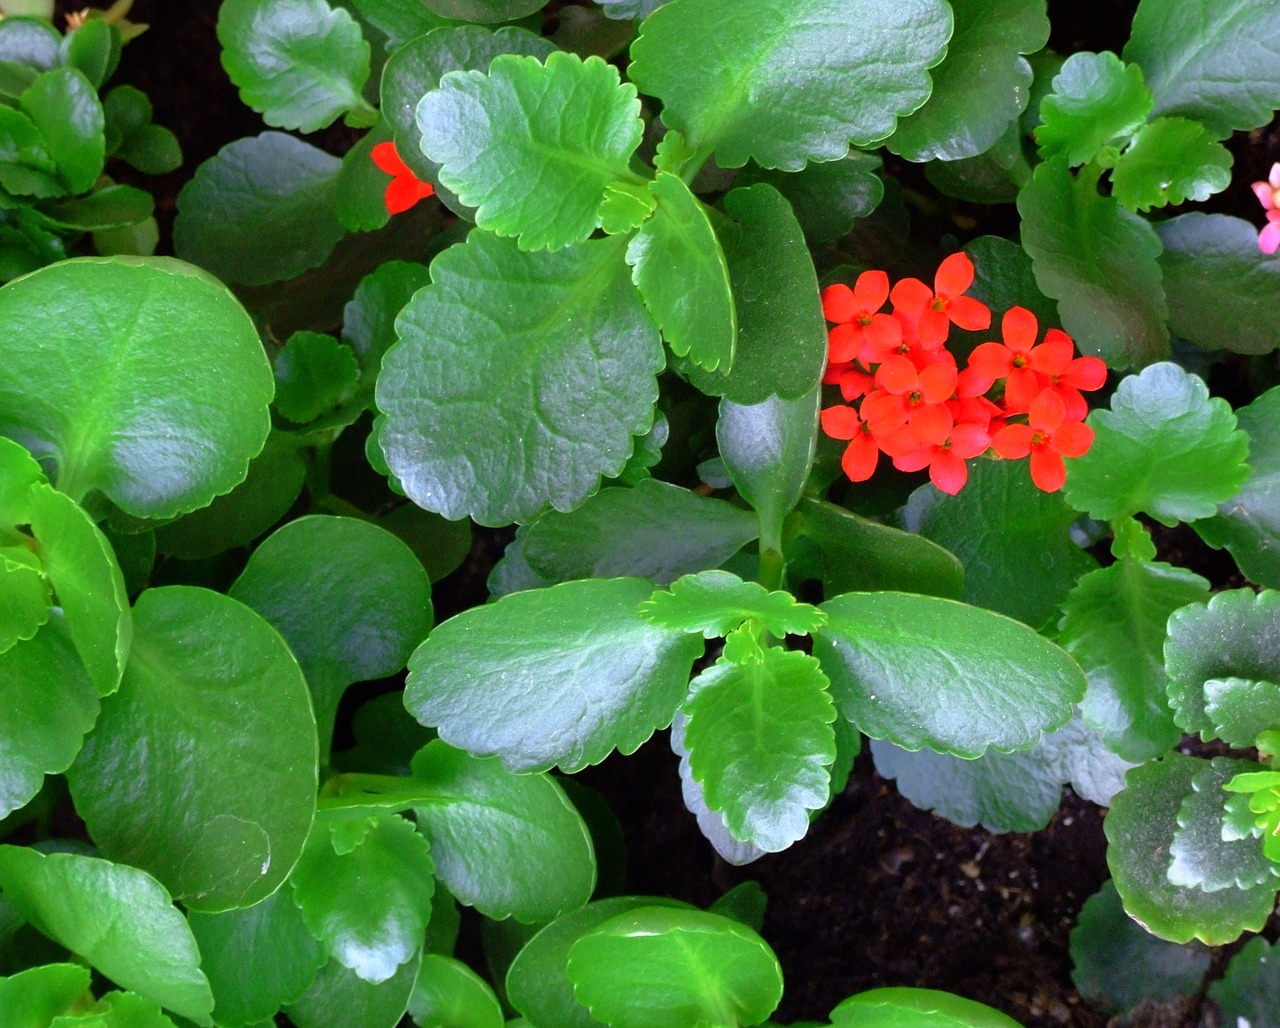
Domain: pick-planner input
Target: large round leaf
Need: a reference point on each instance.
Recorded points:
(148, 383)
(202, 768)
(921, 671)
(916, 1008)
(339, 998)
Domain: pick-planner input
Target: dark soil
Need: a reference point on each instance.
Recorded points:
(879, 893)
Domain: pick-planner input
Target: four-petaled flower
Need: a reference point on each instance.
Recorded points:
(1048, 436)
(405, 188)
(1268, 194)
(943, 305)
(856, 314)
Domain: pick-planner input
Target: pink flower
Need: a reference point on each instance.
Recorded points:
(1268, 194)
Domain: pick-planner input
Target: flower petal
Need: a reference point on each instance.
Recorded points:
(860, 458)
(955, 275)
(1012, 441)
(1047, 470)
(930, 423)
(938, 382)
(920, 457)
(1047, 412)
(403, 192)
(970, 314)
(991, 361)
(1020, 390)
(897, 375)
(871, 290)
(948, 472)
(932, 328)
(1269, 237)
(841, 422)
(387, 159)
(838, 304)
(1073, 439)
(969, 440)
(1085, 373)
(1262, 190)
(880, 338)
(844, 342)
(1019, 329)
(910, 294)
(1053, 356)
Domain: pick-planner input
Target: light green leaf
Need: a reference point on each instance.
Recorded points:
(448, 994)
(300, 64)
(626, 207)
(1250, 990)
(761, 745)
(1097, 99)
(507, 148)
(94, 48)
(119, 919)
(1241, 709)
(982, 85)
(921, 671)
(916, 1008)
(19, 471)
(1114, 626)
(1099, 262)
(1165, 448)
(314, 373)
(714, 603)
(26, 166)
(33, 998)
(792, 83)
(28, 598)
(710, 822)
(1201, 856)
(129, 406)
(64, 106)
(340, 999)
(677, 265)
(494, 399)
(214, 803)
(1170, 161)
(262, 209)
(553, 677)
(1215, 63)
(827, 198)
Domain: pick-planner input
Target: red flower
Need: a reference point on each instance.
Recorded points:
(943, 448)
(903, 393)
(1048, 437)
(862, 453)
(405, 188)
(855, 313)
(1026, 367)
(942, 306)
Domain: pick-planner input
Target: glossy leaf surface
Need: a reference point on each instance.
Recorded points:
(915, 1008)
(714, 603)
(448, 994)
(1203, 855)
(339, 998)
(1249, 991)
(64, 106)
(1097, 99)
(1170, 161)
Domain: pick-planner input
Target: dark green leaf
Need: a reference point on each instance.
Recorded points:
(1097, 99)
(111, 206)
(441, 545)
(827, 198)
(714, 603)
(916, 1008)
(1250, 989)
(1241, 709)
(484, 10)
(400, 20)
(993, 177)
(1165, 448)
(558, 676)
(746, 903)
(1170, 161)
(1201, 856)
(314, 373)
(339, 998)
(126, 110)
(921, 671)
(33, 998)
(64, 107)
(26, 166)
(448, 994)
(368, 320)
(361, 185)
(1004, 277)
(848, 69)
(630, 9)
(1099, 262)
(93, 48)
(495, 405)
(153, 150)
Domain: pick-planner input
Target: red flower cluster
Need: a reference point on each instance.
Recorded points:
(906, 397)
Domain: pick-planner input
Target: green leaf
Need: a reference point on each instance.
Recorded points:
(494, 402)
(1250, 990)
(119, 1010)
(507, 149)
(1170, 161)
(1165, 448)
(714, 603)
(1004, 277)
(93, 48)
(117, 918)
(64, 107)
(827, 198)
(982, 85)
(745, 902)
(49, 703)
(915, 1008)
(1235, 635)
(126, 110)
(28, 596)
(26, 167)
(340, 999)
(848, 69)
(1201, 251)
(323, 582)
(260, 210)
(368, 320)
(782, 337)
(30, 41)
(1097, 100)
(18, 473)
(1099, 262)
(400, 20)
(1114, 626)
(553, 677)
(370, 931)
(215, 805)
(81, 566)
(921, 671)
(1214, 63)
(761, 745)
(710, 822)
(1013, 539)
(301, 64)
(360, 189)
(508, 845)
(652, 530)
(129, 406)
(448, 994)
(1241, 709)
(258, 959)
(314, 374)
(33, 998)
(677, 265)
(859, 554)
(1200, 857)
(109, 207)
(1140, 828)
(626, 207)
(1117, 964)
(484, 10)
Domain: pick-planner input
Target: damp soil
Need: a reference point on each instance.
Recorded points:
(878, 893)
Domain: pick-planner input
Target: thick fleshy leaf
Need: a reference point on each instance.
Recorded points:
(1241, 709)
(1250, 990)
(761, 744)
(1170, 161)
(1199, 856)
(1140, 828)
(260, 210)
(176, 779)
(710, 822)
(553, 677)
(188, 421)
(1114, 626)
(1119, 965)
(1165, 448)
(448, 994)
(484, 10)
(714, 603)
(33, 998)
(788, 84)
(921, 671)
(47, 704)
(782, 337)
(322, 583)
(30, 41)
(1013, 540)
(368, 904)
(369, 318)
(1004, 277)
(916, 1008)
(257, 959)
(508, 845)
(339, 998)
(1235, 635)
(654, 967)
(106, 208)
(26, 166)
(507, 148)
(116, 917)
(494, 398)
(361, 187)
(1097, 100)
(64, 106)
(827, 198)
(300, 64)
(28, 600)
(1212, 62)
(680, 270)
(982, 85)
(1099, 262)
(93, 47)
(81, 566)
(19, 471)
